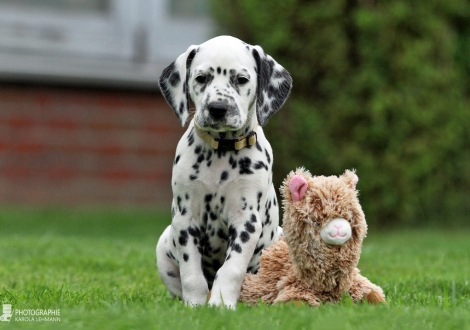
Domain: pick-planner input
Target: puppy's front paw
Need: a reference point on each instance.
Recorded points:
(219, 301)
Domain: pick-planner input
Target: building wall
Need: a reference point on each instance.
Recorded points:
(73, 146)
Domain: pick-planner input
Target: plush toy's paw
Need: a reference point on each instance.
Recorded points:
(375, 297)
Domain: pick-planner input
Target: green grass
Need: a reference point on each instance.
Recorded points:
(98, 267)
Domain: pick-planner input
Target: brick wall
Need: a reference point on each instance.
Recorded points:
(85, 146)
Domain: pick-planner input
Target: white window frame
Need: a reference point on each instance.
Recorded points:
(129, 46)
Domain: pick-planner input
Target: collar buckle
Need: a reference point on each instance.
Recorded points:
(228, 144)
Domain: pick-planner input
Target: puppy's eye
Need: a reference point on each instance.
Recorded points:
(201, 79)
(242, 80)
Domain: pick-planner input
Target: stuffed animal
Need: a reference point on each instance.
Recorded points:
(315, 262)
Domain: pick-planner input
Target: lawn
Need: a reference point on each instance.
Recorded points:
(97, 267)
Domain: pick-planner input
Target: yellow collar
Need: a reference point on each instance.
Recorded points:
(228, 144)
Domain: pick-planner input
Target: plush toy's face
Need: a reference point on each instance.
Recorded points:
(328, 205)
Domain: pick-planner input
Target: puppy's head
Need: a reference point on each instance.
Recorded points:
(228, 81)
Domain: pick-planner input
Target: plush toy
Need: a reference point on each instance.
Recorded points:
(315, 262)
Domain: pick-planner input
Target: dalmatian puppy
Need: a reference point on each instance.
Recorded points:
(224, 210)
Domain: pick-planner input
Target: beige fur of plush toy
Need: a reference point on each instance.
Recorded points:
(315, 261)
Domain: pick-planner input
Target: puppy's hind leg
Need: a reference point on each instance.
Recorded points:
(168, 265)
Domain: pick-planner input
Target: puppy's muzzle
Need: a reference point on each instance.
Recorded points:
(217, 110)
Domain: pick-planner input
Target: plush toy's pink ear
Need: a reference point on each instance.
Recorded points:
(297, 186)
(354, 181)
(350, 178)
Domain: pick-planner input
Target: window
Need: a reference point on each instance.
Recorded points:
(109, 42)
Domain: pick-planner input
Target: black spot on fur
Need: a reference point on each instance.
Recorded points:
(260, 194)
(245, 164)
(171, 274)
(174, 78)
(177, 159)
(178, 202)
(194, 231)
(232, 162)
(209, 155)
(259, 248)
(244, 236)
(237, 248)
(200, 158)
(224, 176)
(182, 107)
(259, 165)
(222, 235)
(253, 218)
(183, 239)
(268, 158)
(249, 227)
(191, 137)
(185, 257)
(192, 177)
(232, 233)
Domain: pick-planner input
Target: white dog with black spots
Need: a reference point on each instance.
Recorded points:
(224, 210)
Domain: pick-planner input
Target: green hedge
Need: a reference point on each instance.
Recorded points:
(383, 87)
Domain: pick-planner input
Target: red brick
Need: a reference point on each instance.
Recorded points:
(85, 146)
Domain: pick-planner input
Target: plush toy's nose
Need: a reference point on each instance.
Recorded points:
(336, 232)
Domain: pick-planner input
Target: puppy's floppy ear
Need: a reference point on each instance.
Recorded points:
(174, 84)
(274, 85)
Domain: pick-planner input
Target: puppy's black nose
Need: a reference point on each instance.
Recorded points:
(217, 110)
